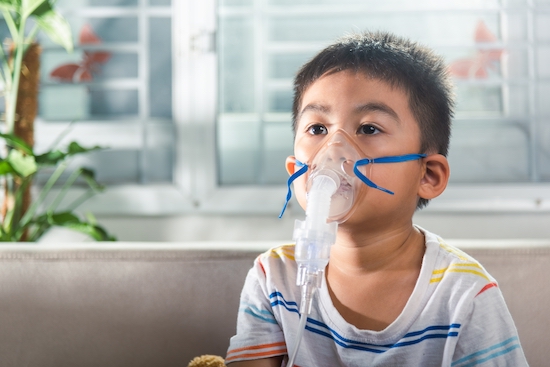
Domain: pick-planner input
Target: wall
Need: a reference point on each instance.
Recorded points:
(270, 228)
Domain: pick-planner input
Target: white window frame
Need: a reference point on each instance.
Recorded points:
(195, 189)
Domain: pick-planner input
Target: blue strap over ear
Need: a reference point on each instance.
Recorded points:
(295, 175)
(391, 159)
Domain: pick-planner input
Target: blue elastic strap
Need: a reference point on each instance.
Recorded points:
(295, 175)
(391, 159)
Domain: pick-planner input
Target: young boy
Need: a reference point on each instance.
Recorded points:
(393, 293)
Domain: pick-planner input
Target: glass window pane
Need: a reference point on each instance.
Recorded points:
(544, 152)
(278, 144)
(239, 144)
(479, 100)
(159, 157)
(285, 65)
(112, 2)
(374, 5)
(543, 62)
(160, 2)
(112, 166)
(116, 29)
(113, 102)
(64, 102)
(490, 153)
(542, 26)
(82, 3)
(542, 100)
(104, 30)
(236, 2)
(433, 28)
(237, 66)
(160, 61)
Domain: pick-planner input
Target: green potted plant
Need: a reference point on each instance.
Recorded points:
(23, 218)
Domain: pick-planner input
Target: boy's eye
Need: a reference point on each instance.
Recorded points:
(368, 129)
(317, 130)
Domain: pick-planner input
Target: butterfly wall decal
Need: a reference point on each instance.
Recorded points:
(90, 63)
(485, 59)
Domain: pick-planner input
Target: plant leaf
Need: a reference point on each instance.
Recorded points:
(57, 28)
(71, 221)
(23, 165)
(5, 167)
(29, 6)
(94, 231)
(63, 218)
(75, 148)
(16, 142)
(50, 158)
(8, 5)
(55, 156)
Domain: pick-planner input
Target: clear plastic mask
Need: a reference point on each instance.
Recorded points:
(340, 155)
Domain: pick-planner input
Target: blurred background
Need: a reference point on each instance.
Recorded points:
(192, 98)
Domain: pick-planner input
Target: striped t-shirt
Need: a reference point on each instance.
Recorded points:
(456, 316)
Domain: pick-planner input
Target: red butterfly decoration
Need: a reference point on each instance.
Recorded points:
(478, 66)
(89, 65)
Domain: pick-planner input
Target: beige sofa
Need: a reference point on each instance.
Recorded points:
(161, 305)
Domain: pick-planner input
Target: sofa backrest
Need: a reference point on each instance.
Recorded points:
(105, 305)
(122, 307)
(523, 275)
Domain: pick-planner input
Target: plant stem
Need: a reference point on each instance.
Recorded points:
(9, 21)
(45, 190)
(10, 108)
(72, 178)
(81, 199)
(30, 37)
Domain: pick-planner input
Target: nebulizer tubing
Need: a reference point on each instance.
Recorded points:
(314, 237)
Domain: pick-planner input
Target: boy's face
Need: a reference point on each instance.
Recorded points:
(381, 123)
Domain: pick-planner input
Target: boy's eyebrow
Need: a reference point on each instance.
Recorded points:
(367, 107)
(314, 108)
(378, 107)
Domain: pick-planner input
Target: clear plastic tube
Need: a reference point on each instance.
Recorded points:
(308, 291)
(313, 237)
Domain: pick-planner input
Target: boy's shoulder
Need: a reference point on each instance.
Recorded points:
(277, 259)
(451, 263)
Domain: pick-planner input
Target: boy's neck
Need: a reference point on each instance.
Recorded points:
(371, 251)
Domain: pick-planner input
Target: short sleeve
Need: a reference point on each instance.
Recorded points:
(259, 334)
(488, 336)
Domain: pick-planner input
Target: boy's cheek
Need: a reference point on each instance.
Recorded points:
(300, 191)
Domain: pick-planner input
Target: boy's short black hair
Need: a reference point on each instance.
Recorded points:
(401, 63)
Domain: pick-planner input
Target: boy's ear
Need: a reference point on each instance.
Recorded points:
(290, 164)
(436, 176)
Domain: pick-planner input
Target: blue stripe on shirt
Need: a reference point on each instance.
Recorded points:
(281, 301)
(480, 353)
(263, 315)
(368, 347)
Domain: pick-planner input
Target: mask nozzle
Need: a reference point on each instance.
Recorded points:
(325, 184)
(314, 237)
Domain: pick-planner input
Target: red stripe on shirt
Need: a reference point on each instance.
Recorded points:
(490, 285)
(269, 353)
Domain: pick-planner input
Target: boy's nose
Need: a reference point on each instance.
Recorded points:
(336, 153)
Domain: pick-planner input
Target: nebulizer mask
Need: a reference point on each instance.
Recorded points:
(338, 179)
